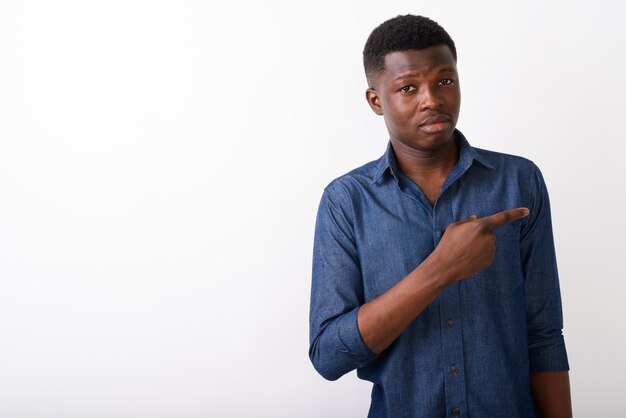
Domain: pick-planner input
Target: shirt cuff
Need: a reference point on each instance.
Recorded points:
(549, 356)
(350, 341)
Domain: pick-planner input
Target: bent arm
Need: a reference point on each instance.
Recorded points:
(345, 331)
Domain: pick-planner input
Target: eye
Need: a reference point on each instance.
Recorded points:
(446, 81)
(407, 89)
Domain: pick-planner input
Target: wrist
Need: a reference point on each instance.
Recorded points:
(437, 271)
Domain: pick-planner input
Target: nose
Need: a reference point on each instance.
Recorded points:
(430, 99)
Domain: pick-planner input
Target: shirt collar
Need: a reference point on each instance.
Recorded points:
(467, 154)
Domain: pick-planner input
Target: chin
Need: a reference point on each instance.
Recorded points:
(424, 142)
(435, 141)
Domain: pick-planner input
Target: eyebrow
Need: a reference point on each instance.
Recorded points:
(417, 74)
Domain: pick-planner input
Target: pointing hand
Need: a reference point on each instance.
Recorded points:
(468, 246)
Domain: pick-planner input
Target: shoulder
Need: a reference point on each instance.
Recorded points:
(506, 162)
(342, 196)
(354, 181)
(513, 172)
(517, 175)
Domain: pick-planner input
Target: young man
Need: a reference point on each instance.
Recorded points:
(434, 272)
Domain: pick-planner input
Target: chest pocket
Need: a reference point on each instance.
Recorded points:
(505, 274)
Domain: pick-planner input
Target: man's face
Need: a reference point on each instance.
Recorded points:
(418, 94)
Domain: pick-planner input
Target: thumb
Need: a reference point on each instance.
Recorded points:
(462, 221)
(471, 218)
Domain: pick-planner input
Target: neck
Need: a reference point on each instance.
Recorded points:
(420, 164)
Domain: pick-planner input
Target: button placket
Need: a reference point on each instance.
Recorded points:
(452, 346)
(451, 322)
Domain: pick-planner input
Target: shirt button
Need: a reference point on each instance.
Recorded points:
(456, 412)
(449, 323)
(453, 369)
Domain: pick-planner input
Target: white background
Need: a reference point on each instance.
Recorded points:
(161, 163)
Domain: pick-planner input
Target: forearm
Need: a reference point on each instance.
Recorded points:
(384, 318)
(551, 392)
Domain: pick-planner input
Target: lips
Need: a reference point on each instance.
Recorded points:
(434, 124)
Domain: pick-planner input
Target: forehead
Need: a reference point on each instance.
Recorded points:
(418, 62)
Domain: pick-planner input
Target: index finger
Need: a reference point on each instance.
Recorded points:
(502, 218)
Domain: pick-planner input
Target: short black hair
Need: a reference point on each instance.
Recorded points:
(402, 33)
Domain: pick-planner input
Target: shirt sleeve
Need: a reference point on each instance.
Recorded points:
(544, 317)
(336, 346)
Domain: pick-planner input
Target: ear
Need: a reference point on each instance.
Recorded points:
(373, 100)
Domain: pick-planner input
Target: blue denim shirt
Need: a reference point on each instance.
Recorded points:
(470, 352)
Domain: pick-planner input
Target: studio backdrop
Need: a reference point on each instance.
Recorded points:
(161, 163)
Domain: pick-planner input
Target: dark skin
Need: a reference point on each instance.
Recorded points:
(416, 87)
(419, 97)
